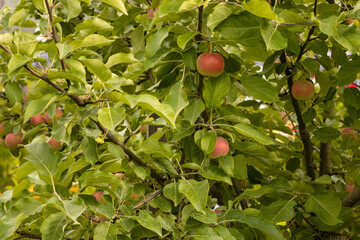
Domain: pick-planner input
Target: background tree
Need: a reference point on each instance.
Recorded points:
(227, 154)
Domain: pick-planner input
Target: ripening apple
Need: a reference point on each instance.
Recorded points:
(348, 132)
(2, 129)
(302, 90)
(56, 145)
(210, 64)
(98, 195)
(12, 140)
(57, 116)
(35, 120)
(120, 175)
(221, 148)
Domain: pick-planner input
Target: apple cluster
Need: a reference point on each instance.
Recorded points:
(12, 140)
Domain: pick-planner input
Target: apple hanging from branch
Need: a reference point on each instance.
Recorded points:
(12, 140)
(35, 120)
(302, 90)
(221, 148)
(348, 133)
(210, 64)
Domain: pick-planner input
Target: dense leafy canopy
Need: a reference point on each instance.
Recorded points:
(114, 66)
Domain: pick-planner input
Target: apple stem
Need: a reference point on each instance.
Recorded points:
(210, 47)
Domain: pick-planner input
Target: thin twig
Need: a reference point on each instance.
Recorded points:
(148, 199)
(293, 24)
(6, 50)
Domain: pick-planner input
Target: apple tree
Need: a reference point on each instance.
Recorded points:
(180, 119)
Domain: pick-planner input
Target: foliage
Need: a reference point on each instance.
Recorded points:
(112, 68)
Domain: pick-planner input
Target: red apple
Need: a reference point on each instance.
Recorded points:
(2, 129)
(221, 148)
(57, 116)
(56, 145)
(12, 140)
(210, 64)
(302, 90)
(98, 195)
(35, 120)
(348, 132)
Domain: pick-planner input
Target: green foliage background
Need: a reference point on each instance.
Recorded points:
(111, 68)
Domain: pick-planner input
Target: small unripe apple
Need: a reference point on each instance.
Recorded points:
(98, 195)
(12, 140)
(57, 116)
(2, 129)
(56, 145)
(102, 219)
(210, 64)
(221, 148)
(303, 90)
(35, 120)
(348, 132)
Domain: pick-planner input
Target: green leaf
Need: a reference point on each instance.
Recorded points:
(348, 72)
(98, 68)
(154, 41)
(161, 203)
(208, 141)
(229, 233)
(326, 206)
(74, 207)
(119, 58)
(94, 24)
(91, 178)
(259, 8)
(13, 92)
(6, 38)
(327, 134)
(208, 218)
(111, 117)
(215, 91)
(258, 152)
(29, 206)
(25, 42)
(268, 228)
(194, 110)
(17, 18)
(279, 211)
(152, 103)
(182, 40)
(142, 172)
(177, 98)
(324, 82)
(105, 231)
(64, 49)
(195, 192)
(352, 97)
(166, 221)
(39, 106)
(42, 157)
(260, 89)
(146, 220)
(53, 226)
(311, 65)
(117, 4)
(72, 8)
(153, 146)
(220, 13)
(91, 41)
(115, 150)
(215, 173)
(174, 6)
(16, 62)
(240, 168)
(89, 146)
(348, 37)
(171, 191)
(273, 38)
(227, 164)
(254, 133)
(205, 233)
(183, 129)
(328, 22)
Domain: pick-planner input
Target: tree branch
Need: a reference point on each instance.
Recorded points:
(325, 163)
(352, 198)
(148, 199)
(6, 50)
(239, 190)
(131, 155)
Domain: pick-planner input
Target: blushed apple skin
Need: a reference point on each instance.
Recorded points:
(210, 64)
(56, 145)
(150, 13)
(302, 90)
(35, 120)
(221, 148)
(12, 140)
(348, 132)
